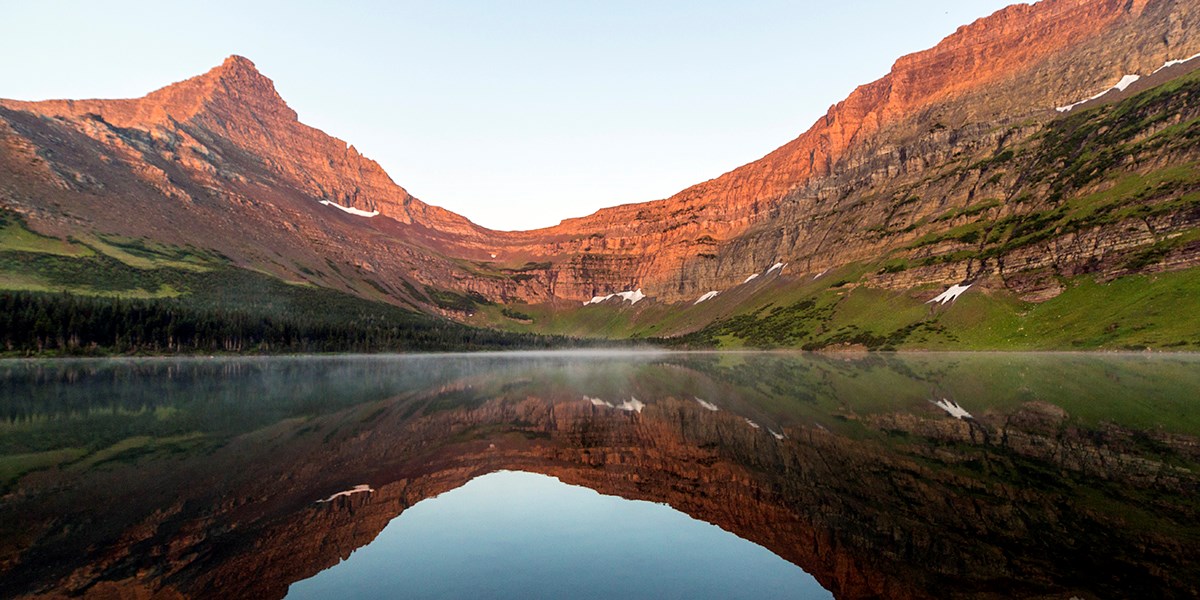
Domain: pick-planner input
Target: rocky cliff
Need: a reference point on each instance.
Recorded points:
(219, 161)
(809, 203)
(234, 110)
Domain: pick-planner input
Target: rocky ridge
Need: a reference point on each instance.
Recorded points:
(866, 181)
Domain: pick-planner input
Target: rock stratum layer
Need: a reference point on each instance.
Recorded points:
(949, 137)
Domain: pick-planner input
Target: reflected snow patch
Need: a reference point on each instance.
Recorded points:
(358, 489)
(631, 405)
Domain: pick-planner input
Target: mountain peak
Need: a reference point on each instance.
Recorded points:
(234, 85)
(228, 91)
(236, 71)
(238, 62)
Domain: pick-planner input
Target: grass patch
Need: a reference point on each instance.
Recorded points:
(1159, 311)
(144, 254)
(15, 236)
(13, 467)
(455, 301)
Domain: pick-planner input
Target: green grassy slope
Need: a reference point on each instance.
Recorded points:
(1131, 313)
(102, 295)
(1158, 311)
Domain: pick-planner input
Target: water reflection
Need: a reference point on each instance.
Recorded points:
(893, 476)
(519, 536)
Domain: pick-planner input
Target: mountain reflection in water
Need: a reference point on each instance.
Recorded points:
(511, 535)
(898, 476)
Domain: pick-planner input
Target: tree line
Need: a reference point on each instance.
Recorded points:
(37, 323)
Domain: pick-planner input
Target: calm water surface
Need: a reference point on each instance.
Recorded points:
(520, 535)
(648, 475)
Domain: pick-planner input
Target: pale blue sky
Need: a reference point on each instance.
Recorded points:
(516, 114)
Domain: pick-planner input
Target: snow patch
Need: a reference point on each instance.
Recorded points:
(750, 278)
(708, 405)
(633, 297)
(1180, 61)
(708, 296)
(775, 267)
(951, 294)
(1067, 108)
(752, 423)
(350, 492)
(492, 254)
(778, 436)
(953, 408)
(354, 211)
(1127, 81)
(818, 275)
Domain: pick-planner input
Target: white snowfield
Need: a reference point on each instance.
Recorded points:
(631, 405)
(708, 405)
(1179, 61)
(953, 408)
(752, 423)
(354, 490)
(633, 297)
(1125, 82)
(751, 278)
(354, 211)
(778, 436)
(776, 266)
(708, 296)
(951, 294)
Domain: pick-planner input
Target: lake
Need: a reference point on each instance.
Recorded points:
(602, 475)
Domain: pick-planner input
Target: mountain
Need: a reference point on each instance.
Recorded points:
(973, 164)
(219, 162)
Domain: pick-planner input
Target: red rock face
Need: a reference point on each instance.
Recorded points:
(1015, 64)
(236, 107)
(228, 135)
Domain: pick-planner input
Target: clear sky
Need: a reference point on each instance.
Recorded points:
(516, 114)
